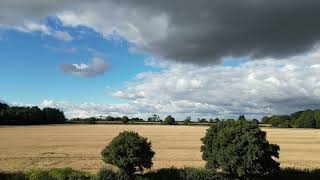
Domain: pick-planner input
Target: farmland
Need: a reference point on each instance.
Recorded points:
(79, 146)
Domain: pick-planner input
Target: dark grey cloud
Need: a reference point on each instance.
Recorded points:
(201, 31)
(96, 67)
(208, 30)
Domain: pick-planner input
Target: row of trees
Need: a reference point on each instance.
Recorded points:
(16, 115)
(301, 119)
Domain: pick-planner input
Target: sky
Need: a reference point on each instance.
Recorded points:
(203, 59)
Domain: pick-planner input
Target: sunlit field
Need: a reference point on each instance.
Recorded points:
(79, 146)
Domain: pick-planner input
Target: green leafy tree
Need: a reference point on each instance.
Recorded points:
(241, 117)
(255, 121)
(3, 106)
(187, 120)
(265, 120)
(202, 120)
(239, 149)
(53, 115)
(125, 119)
(129, 152)
(169, 120)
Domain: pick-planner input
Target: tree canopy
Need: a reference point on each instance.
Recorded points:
(16, 115)
(129, 151)
(301, 119)
(240, 149)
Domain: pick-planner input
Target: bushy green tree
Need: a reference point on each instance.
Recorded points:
(169, 120)
(265, 120)
(255, 121)
(125, 119)
(241, 117)
(3, 106)
(187, 120)
(129, 151)
(202, 120)
(16, 115)
(240, 149)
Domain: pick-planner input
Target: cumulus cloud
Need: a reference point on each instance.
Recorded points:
(187, 30)
(255, 88)
(97, 66)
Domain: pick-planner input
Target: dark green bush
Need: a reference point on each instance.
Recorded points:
(285, 124)
(297, 174)
(39, 175)
(181, 174)
(163, 174)
(69, 173)
(109, 174)
(59, 174)
(169, 120)
(201, 174)
(129, 151)
(13, 175)
(125, 119)
(239, 149)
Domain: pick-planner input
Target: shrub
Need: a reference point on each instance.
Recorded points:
(13, 175)
(128, 151)
(109, 174)
(285, 124)
(255, 121)
(164, 174)
(125, 119)
(59, 174)
(69, 173)
(297, 174)
(201, 174)
(169, 120)
(39, 175)
(239, 149)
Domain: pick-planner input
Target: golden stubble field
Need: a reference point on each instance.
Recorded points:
(79, 146)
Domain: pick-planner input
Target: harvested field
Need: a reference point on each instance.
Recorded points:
(79, 146)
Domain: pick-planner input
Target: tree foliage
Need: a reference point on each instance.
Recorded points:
(125, 119)
(129, 151)
(240, 149)
(301, 119)
(154, 118)
(169, 120)
(29, 115)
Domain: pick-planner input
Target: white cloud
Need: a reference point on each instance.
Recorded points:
(96, 67)
(30, 26)
(254, 89)
(62, 35)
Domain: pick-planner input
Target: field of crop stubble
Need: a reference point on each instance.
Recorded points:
(79, 146)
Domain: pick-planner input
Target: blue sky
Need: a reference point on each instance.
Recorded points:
(30, 62)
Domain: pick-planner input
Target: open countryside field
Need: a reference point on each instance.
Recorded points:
(79, 146)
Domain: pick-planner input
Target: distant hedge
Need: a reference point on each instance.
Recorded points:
(16, 115)
(301, 119)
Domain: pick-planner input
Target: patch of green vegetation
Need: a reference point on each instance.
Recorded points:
(301, 119)
(161, 174)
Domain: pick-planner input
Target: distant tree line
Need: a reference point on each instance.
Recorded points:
(301, 119)
(93, 120)
(16, 115)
